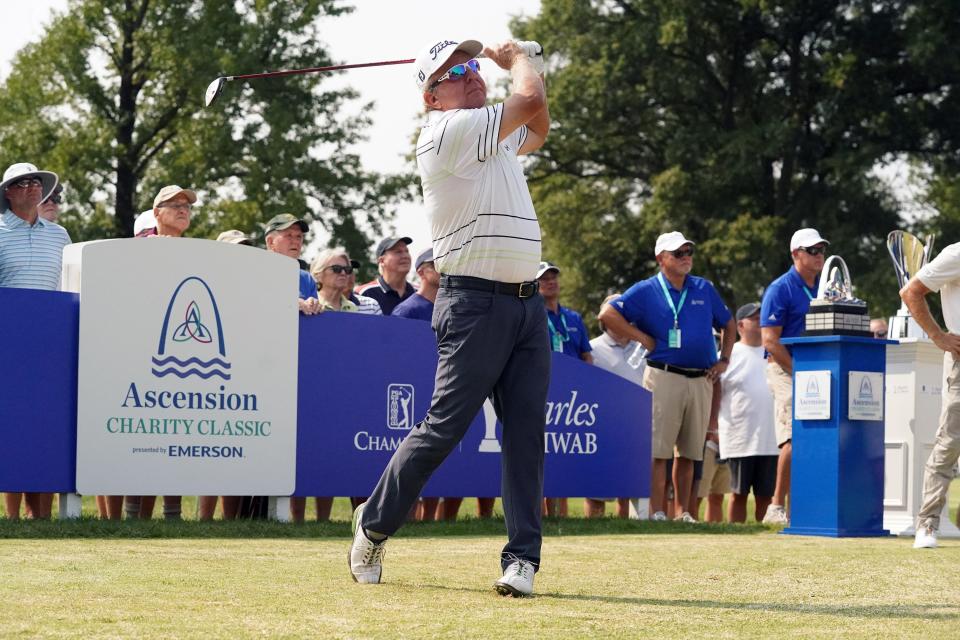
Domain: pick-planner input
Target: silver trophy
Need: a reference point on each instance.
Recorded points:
(835, 310)
(909, 255)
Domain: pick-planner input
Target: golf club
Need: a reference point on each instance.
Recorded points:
(216, 87)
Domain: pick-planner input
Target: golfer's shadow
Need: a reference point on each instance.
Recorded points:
(894, 611)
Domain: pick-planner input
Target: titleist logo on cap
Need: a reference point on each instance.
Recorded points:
(440, 46)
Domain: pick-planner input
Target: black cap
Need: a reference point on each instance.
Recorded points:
(748, 310)
(425, 256)
(388, 243)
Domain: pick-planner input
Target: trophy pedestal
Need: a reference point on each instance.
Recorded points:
(914, 383)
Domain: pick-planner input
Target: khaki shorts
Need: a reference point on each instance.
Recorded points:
(681, 410)
(781, 385)
(716, 477)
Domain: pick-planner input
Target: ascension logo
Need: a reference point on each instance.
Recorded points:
(813, 389)
(190, 344)
(866, 389)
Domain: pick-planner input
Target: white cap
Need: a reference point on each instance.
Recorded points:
(21, 171)
(435, 55)
(806, 238)
(670, 242)
(144, 221)
(546, 266)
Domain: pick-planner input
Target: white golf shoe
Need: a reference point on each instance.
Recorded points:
(366, 556)
(776, 514)
(926, 538)
(517, 579)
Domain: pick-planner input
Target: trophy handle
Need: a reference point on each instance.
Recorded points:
(824, 282)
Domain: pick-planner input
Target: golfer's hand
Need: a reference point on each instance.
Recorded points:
(949, 342)
(505, 54)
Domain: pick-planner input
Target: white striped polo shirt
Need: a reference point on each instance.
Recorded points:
(477, 201)
(31, 256)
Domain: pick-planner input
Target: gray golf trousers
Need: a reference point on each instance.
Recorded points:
(938, 472)
(489, 344)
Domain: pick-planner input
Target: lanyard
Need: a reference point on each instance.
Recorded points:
(557, 339)
(807, 291)
(666, 294)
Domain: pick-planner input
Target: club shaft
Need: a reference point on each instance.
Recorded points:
(336, 67)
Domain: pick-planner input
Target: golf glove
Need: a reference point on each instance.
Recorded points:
(534, 51)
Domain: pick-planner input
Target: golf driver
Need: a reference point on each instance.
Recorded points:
(215, 88)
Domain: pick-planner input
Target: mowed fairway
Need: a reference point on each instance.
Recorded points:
(635, 580)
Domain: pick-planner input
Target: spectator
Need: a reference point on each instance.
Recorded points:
(391, 286)
(682, 363)
(31, 255)
(878, 327)
(144, 222)
(748, 437)
(365, 306)
(172, 209)
(284, 235)
(49, 207)
(714, 480)
(783, 315)
(419, 306)
(620, 355)
(567, 336)
(233, 236)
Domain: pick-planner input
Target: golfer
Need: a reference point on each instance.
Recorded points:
(491, 326)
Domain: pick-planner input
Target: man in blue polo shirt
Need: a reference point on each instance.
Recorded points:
(782, 315)
(673, 314)
(391, 286)
(419, 306)
(567, 333)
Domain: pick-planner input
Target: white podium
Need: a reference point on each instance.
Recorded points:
(914, 383)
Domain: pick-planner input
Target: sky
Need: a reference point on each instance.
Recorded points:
(376, 30)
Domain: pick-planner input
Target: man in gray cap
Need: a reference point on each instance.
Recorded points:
(391, 286)
(284, 235)
(419, 306)
(491, 325)
(31, 254)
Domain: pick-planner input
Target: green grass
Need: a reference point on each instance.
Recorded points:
(600, 578)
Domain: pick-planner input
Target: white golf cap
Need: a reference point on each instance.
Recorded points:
(144, 221)
(436, 54)
(806, 238)
(546, 266)
(172, 191)
(670, 242)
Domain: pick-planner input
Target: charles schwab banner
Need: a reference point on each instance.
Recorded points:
(187, 376)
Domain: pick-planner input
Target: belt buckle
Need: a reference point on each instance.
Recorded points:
(526, 289)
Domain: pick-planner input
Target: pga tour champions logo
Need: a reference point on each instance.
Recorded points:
(191, 337)
(400, 406)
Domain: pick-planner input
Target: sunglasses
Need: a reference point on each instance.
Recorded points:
(26, 183)
(815, 251)
(339, 268)
(457, 72)
(682, 253)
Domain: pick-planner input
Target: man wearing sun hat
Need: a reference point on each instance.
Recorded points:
(673, 314)
(31, 255)
(491, 326)
(783, 315)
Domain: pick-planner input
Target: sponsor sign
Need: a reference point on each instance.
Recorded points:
(187, 377)
(811, 395)
(865, 395)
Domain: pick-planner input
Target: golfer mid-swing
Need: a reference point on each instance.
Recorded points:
(490, 324)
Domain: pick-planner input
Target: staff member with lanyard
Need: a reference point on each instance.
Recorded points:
(567, 333)
(782, 315)
(673, 314)
(491, 326)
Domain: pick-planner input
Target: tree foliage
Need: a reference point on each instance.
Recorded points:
(736, 123)
(111, 98)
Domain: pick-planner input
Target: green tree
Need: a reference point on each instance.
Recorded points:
(111, 97)
(736, 123)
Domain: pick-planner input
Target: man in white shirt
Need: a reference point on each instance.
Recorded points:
(943, 275)
(748, 439)
(491, 326)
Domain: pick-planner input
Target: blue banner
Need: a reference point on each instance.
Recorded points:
(363, 382)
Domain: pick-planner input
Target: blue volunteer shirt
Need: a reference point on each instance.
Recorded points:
(416, 307)
(567, 326)
(785, 303)
(308, 286)
(645, 306)
(31, 256)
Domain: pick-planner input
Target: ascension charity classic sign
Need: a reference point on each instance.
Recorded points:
(187, 378)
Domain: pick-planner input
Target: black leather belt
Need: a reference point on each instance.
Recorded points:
(516, 289)
(669, 368)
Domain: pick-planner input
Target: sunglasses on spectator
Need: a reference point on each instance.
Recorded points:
(880, 334)
(339, 268)
(457, 71)
(26, 183)
(815, 251)
(682, 253)
(57, 199)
